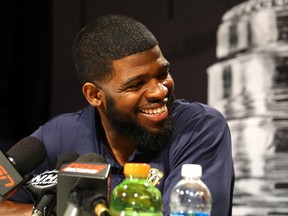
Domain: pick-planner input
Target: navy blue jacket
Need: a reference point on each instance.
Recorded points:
(201, 136)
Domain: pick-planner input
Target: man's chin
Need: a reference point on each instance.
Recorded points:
(154, 139)
(155, 130)
(156, 127)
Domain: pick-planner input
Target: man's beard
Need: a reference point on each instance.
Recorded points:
(145, 139)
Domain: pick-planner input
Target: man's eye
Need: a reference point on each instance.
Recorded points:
(136, 85)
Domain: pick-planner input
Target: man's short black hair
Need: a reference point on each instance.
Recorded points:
(106, 39)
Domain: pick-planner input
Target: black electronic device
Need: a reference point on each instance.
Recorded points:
(43, 187)
(83, 185)
(17, 162)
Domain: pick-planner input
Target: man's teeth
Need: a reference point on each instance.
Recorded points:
(154, 111)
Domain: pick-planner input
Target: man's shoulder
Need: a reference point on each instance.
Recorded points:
(68, 132)
(194, 109)
(85, 114)
(66, 124)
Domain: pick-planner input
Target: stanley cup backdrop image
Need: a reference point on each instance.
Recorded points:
(249, 85)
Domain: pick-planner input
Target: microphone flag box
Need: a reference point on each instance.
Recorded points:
(9, 178)
(79, 180)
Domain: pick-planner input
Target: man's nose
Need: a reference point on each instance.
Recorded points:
(156, 91)
(163, 88)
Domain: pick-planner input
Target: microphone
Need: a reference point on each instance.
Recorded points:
(83, 187)
(42, 187)
(95, 203)
(17, 163)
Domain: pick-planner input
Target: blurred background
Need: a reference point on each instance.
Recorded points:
(230, 54)
(38, 80)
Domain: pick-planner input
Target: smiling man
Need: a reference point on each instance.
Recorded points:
(133, 105)
(133, 116)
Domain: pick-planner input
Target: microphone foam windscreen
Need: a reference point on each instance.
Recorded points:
(92, 158)
(66, 157)
(28, 153)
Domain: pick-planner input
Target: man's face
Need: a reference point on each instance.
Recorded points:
(138, 97)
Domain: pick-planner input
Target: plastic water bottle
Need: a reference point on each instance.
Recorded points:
(190, 196)
(136, 195)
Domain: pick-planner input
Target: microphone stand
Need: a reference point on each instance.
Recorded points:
(93, 204)
(42, 209)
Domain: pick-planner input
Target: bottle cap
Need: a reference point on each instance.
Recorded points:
(191, 170)
(137, 169)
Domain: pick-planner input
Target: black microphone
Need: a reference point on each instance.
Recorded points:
(83, 187)
(96, 204)
(22, 158)
(42, 187)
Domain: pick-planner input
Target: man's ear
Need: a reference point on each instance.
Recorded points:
(93, 94)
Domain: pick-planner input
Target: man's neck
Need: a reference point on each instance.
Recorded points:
(120, 146)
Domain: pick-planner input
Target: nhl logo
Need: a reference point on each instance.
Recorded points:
(45, 179)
